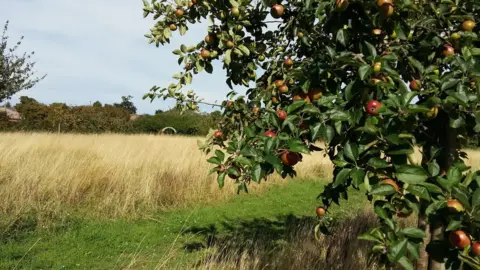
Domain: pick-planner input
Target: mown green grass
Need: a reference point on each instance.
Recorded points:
(159, 240)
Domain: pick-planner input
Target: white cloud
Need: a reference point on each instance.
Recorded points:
(95, 50)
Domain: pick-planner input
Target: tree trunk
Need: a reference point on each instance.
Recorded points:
(445, 137)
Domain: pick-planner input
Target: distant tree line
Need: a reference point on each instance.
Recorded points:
(98, 118)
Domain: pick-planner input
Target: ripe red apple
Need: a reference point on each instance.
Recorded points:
(341, 5)
(320, 211)
(315, 93)
(283, 89)
(290, 158)
(270, 133)
(459, 239)
(454, 206)
(392, 183)
(468, 25)
(179, 13)
(205, 54)
(373, 106)
(300, 35)
(218, 134)
(288, 62)
(235, 12)
(476, 249)
(173, 27)
(279, 83)
(380, 3)
(277, 11)
(281, 114)
(377, 67)
(210, 39)
(448, 50)
(302, 96)
(415, 85)
(229, 44)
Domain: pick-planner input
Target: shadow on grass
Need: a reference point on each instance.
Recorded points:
(286, 242)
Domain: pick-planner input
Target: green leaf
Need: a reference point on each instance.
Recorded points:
(177, 52)
(368, 237)
(453, 225)
(383, 190)
(295, 105)
(296, 145)
(378, 163)
(371, 49)
(432, 188)
(363, 71)
(457, 123)
(341, 177)
(272, 159)
(227, 58)
(414, 250)
(183, 29)
(243, 161)
(411, 174)
(220, 155)
(214, 160)
(315, 131)
(357, 175)
(244, 50)
(381, 212)
(405, 263)
(450, 84)
(413, 232)
(328, 133)
(419, 191)
(256, 173)
(416, 64)
(433, 168)
(350, 150)
(476, 198)
(221, 179)
(342, 36)
(454, 175)
(183, 48)
(397, 250)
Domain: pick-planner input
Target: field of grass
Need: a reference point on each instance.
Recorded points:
(146, 202)
(112, 175)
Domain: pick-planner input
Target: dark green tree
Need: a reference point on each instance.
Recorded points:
(127, 104)
(16, 70)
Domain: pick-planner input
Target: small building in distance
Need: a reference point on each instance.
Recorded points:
(13, 115)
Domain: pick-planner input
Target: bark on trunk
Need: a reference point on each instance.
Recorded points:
(445, 137)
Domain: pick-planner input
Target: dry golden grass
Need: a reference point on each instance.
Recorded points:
(111, 174)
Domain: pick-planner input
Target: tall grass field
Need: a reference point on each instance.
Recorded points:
(147, 202)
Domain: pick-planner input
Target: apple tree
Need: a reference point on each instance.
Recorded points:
(372, 80)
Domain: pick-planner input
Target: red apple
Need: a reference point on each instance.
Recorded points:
(415, 85)
(281, 114)
(448, 50)
(290, 158)
(218, 134)
(270, 133)
(205, 54)
(279, 83)
(277, 11)
(476, 249)
(173, 27)
(373, 106)
(320, 211)
(288, 62)
(235, 12)
(210, 39)
(468, 25)
(459, 239)
(283, 89)
(179, 12)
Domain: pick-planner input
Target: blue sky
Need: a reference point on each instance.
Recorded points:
(95, 50)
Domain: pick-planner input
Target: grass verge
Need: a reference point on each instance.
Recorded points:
(175, 239)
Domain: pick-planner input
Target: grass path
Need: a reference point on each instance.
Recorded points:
(159, 240)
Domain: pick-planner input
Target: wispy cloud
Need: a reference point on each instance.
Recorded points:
(95, 50)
